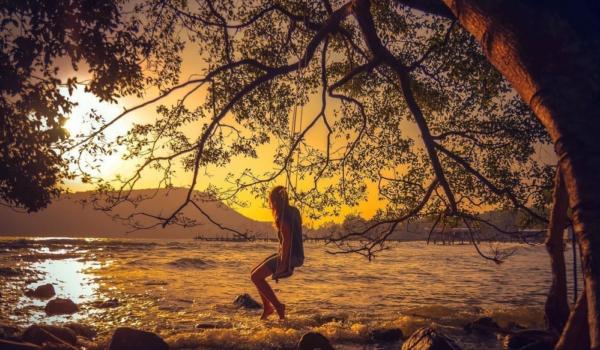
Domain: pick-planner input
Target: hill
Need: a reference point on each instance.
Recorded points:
(69, 217)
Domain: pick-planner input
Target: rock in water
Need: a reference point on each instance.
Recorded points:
(14, 345)
(107, 304)
(428, 338)
(385, 335)
(40, 334)
(9, 332)
(529, 337)
(245, 301)
(314, 340)
(44, 291)
(9, 272)
(61, 306)
(484, 325)
(131, 339)
(81, 329)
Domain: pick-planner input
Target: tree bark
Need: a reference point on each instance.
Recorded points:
(557, 306)
(549, 51)
(574, 335)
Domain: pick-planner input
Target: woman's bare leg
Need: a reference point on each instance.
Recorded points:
(266, 292)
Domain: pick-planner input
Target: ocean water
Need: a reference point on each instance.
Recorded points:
(170, 287)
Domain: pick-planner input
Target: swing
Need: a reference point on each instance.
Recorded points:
(290, 269)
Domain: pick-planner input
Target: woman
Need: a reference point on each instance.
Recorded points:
(290, 254)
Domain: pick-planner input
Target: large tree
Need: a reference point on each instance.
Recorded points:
(380, 70)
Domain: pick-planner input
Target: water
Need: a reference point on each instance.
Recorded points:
(171, 286)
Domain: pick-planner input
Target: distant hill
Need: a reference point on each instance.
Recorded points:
(67, 216)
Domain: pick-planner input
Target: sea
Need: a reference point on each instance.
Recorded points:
(184, 290)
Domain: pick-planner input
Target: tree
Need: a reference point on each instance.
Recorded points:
(42, 42)
(375, 67)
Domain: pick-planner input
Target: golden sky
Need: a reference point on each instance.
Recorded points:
(113, 165)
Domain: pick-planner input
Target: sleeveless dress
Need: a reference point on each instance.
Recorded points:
(297, 248)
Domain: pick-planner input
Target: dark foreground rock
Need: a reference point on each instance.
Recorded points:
(385, 335)
(532, 339)
(44, 291)
(40, 334)
(314, 340)
(61, 306)
(245, 301)
(9, 332)
(484, 325)
(81, 329)
(15, 345)
(427, 338)
(129, 339)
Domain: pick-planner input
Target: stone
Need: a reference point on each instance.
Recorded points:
(385, 335)
(520, 339)
(314, 340)
(61, 306)
(125, 338)
(484, 325)
(428, 338)
(44, 291)
(107, 304)
(245, 301)
(9, 332)
(81, 329)
(15, 345)
(40, 334)
(10, 272)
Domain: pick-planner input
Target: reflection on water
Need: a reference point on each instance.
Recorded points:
(170, 287)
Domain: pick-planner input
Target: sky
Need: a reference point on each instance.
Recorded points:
(113, 165)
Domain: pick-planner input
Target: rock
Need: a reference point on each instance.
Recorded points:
(81, 329)
(385, 335)
(520, 339)
(213, 325)
(427, 338)
(61, 306)
(14, 345)
(128, 339)
(245, 301)
(44, 291)
(9, 272)
(314, 340)
(40, 334)
(107, 304)
(484, 325)
(9, 332)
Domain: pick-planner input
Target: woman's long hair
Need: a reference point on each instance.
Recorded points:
(279, 203)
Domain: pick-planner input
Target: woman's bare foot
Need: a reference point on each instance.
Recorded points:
(280, 311)
(267, 311)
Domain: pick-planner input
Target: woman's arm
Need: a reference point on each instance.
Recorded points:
(286, 249)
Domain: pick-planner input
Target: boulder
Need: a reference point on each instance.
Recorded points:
(107, 304)
(484, 325)
(40, 334)
(9, 332)
(520, 339)
(385, 335)
(129, 339)
(428, 338)
(314, 340)
(9, 272)
(61, 306)
(245, 301)
(81, 329)
(44, 291)
(15, 345)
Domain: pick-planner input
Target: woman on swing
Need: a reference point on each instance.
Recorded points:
(289, 256)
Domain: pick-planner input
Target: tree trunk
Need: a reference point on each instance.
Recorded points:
(549, 51)
(557, 307)
(575, 333)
